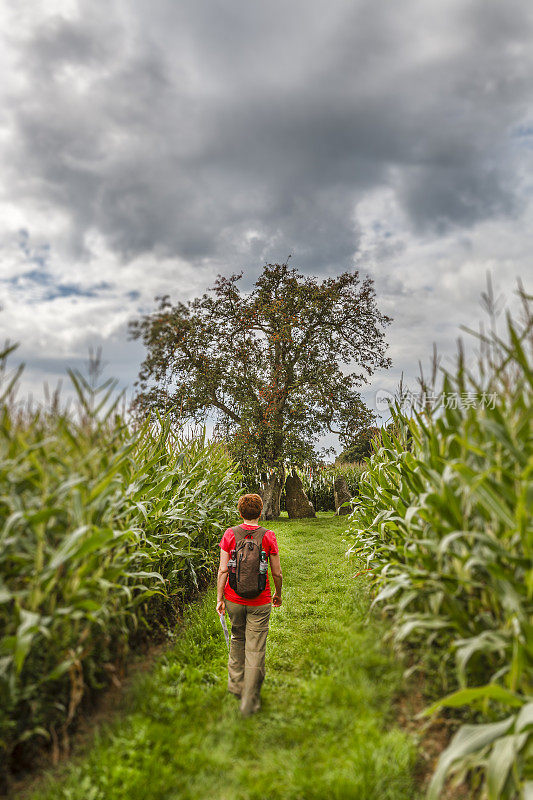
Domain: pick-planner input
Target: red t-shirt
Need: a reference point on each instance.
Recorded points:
(270, 546)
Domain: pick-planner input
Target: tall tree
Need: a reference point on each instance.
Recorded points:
(267, 363)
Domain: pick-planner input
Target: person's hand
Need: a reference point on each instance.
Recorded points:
(277, 601)
(221, 607)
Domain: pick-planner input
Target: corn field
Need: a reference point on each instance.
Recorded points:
(445, 527)
(105, 529)
(318, 482)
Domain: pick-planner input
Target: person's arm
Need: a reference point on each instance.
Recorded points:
(221, 581)
(275, 569)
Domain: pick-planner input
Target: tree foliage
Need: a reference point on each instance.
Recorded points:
(268, 363)
(360, 447)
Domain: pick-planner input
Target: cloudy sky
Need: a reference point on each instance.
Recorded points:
(148, 146)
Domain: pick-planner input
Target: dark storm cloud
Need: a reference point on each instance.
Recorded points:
(233, 131)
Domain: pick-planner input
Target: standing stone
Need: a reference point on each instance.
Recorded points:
(296, 500)
(342, 495)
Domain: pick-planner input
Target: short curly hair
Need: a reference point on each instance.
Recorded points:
(250, 506)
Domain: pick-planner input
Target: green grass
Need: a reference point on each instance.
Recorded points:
(326, 729)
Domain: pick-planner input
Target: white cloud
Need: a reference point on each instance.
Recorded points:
(148, 148)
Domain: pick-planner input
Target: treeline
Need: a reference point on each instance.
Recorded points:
(106, 529)
(446, 527)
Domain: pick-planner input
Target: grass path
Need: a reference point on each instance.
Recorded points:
(325, 732)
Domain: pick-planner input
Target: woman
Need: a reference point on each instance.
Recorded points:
(249, 617)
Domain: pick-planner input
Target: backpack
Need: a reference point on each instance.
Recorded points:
(247, 566)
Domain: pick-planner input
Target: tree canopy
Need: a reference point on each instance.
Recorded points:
(267, 363)
(360, 447)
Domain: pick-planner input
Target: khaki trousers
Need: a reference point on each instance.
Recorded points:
(246, 663)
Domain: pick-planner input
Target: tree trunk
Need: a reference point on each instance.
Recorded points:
(296, 500)
(271, 493)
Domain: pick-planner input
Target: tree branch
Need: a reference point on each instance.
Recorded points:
(223, 407)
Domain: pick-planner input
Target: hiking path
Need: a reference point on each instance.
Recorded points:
(327, 728)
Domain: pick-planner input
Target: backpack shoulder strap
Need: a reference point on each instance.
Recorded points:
(239, 533)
